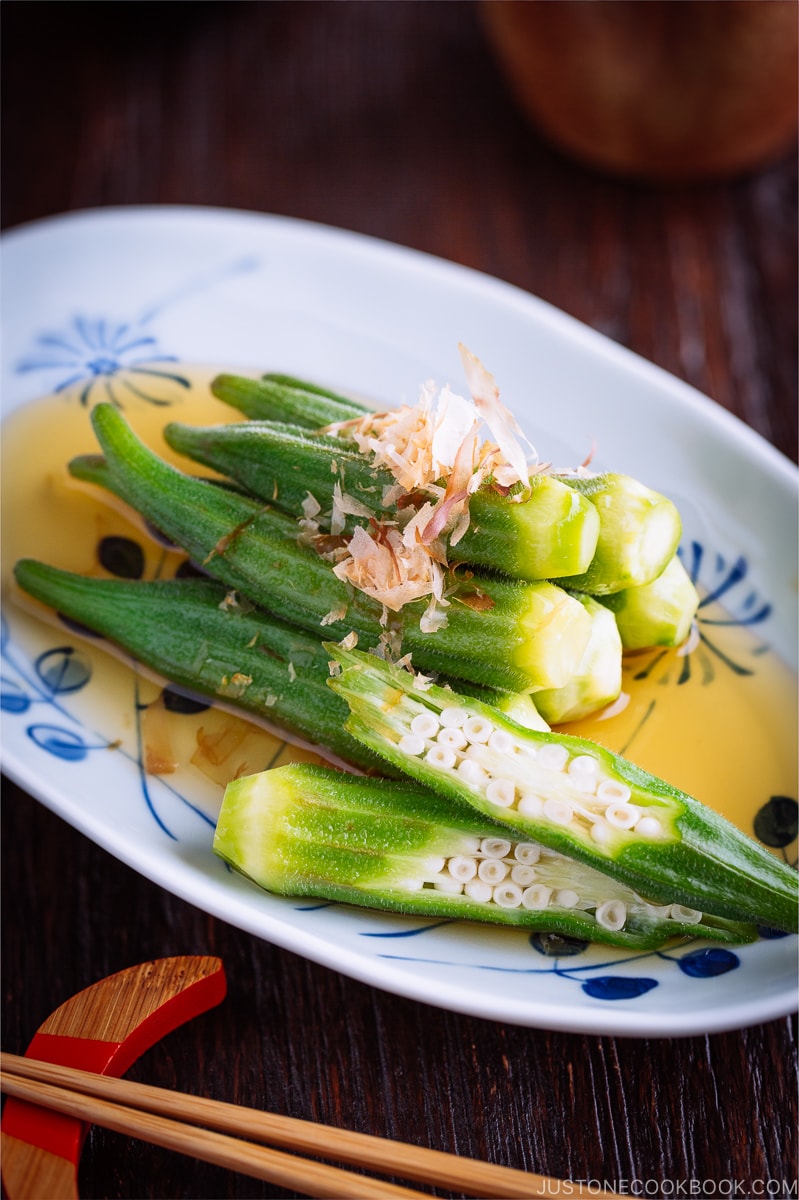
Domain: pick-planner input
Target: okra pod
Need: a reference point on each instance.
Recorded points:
(503, 634)
(201, 637)
(639, 531)
(567, 793)
(659, 613)
(553, 531)
(306, 831)
(206, 639)
(278, 398)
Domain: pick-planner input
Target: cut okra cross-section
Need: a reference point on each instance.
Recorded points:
(307, 831)
(565, 792)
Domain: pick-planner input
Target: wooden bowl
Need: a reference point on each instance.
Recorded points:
(658, 89)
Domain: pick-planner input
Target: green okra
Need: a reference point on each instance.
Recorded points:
(280, 398)
(202, 637)
(598, 679)
(659, 613)
(553, 531)
(639, 531)
(567, 793)
(525, 635)
(198, 635)
(307, 831)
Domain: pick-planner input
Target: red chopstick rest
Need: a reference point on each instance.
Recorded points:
(104, 1029)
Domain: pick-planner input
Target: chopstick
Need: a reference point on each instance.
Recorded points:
(170, 1119)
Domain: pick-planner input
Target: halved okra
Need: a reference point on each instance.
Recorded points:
(198, 635)
(306, 831)
(521, 636)
(659, 613)
(567, 793)
(553, 531)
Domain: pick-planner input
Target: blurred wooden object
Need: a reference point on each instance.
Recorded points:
(657, 90)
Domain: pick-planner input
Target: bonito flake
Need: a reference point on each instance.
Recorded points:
(434, 452)
(383, 567)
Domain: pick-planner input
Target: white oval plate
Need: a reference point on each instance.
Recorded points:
(259, 293)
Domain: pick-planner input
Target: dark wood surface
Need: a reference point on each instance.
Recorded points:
(391, 118)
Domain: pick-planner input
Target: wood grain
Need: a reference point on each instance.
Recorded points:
(393, 120)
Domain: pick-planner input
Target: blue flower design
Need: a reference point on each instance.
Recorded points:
(119, 360)
(113, 362)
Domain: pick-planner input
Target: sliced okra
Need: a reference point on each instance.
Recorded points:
(567, 793)
(307, 831)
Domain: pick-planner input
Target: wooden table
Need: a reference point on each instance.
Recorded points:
(392, 119)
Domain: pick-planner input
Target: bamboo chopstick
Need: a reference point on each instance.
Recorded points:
(170, 1119)
(259, 1162)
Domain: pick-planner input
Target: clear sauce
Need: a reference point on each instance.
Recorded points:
(720, 724)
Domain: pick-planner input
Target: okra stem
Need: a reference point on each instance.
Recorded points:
(659, 613)
(567, 793)
(598, 679)
(639, 531)
(526, 636)
(306, 831)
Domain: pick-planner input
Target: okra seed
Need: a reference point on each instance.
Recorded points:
(612, 914)
(582, 764)
(492, 870)
(552, 755)
(470, 772)
(523, 874)
(688, 916)
(610, 789)
(501, 741)
(454, 738)
(622, 816)
(440, 756)
(583, 783)
(508, 895)
(462, 868)
(536, 896)
(434, 866)
(527, 852)
(566, 898)
(478, 729)
(648, 827)
(530, 806)
(558, 811)
(452, 717)
(409, 743)
(600, 833)
(501, 792)
(424, 725)
(446, 883)
(475, 889)
(495, 847)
